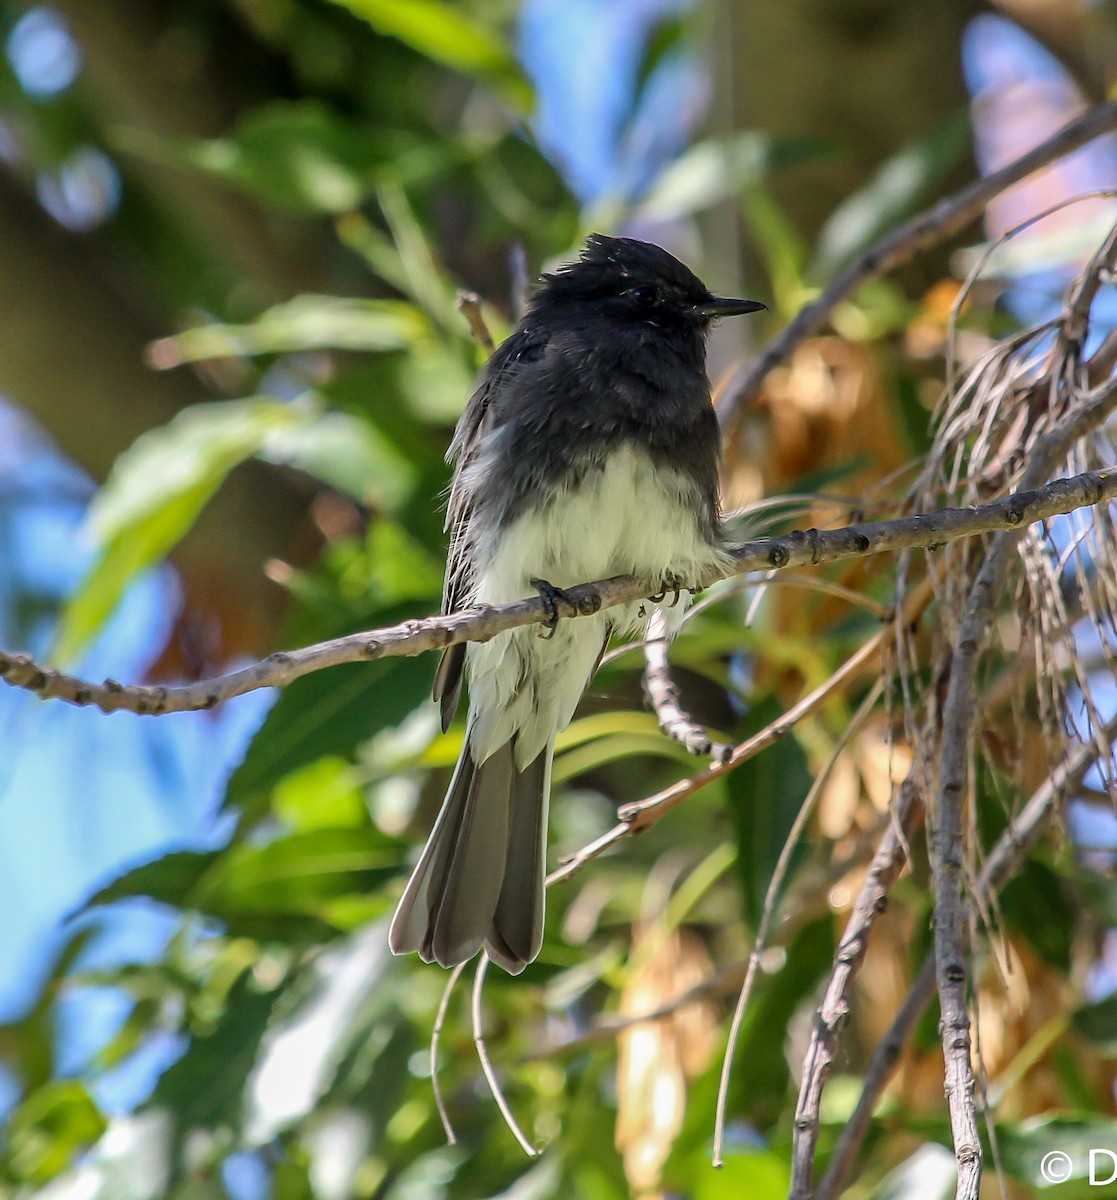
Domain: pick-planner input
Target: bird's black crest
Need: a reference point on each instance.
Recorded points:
(608, 265)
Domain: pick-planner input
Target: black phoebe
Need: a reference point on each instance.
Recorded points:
(589, 449)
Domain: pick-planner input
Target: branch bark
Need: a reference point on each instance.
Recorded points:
(810, 547)
(833, 1012)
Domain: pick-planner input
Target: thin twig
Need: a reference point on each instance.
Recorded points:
(881, 1066)
(776, 882)
(806, 900)
(663, 694)
(927, 229)
(833, 1012)
(643, 814)
(802, 548)
(436, 1038)
(469, 305)
(486, 1064)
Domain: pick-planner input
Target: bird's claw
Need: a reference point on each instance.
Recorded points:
(549, 594)
(670, 583)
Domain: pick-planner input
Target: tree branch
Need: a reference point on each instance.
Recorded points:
(663, 695)
(833, 1012)
(929, 227)
(802, 548)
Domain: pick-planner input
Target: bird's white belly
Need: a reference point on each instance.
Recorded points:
(629, 518)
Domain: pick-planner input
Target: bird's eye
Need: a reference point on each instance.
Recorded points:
(646, 297)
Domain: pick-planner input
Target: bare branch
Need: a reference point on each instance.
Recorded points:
(833, 1012)
(469, 305)
(927, 229)
(877, 1074)
(643, 814)
(775, 885)
(801, 548)
(663, 695)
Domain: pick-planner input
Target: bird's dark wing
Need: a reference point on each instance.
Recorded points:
(526, 345)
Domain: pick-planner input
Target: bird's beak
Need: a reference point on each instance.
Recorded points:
(718, 306)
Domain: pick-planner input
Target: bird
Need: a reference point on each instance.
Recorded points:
(589, 449)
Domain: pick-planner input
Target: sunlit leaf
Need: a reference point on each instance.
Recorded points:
(305, 323)
(348, 453)
(754, 1173)
(447, 35)
(323, 794)
(53, 1124)
(154, 495)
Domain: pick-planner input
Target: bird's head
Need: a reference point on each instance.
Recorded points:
(633, 283)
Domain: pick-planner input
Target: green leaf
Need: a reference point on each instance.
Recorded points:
(445, 34)
(399, 568)
(1035, 906)
(779, 243)
(322, 795)
(765, 795)
(329, 712)
(298, 874)
(305, 323)
(758, 1174)
(205, 1087)
(53, 1124)
(1098, 1023)
(170, 879)
(153, 496)
(894, 192)
(295, 888)
(302, 156)
(349, 454)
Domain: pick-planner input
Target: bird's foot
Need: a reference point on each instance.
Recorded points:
(671, 582)
(549, 594)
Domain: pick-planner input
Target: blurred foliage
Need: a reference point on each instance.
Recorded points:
(395, 132)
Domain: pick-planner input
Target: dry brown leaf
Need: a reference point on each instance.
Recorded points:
(656, 1059)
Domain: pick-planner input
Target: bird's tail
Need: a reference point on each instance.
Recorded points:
(480, 878)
